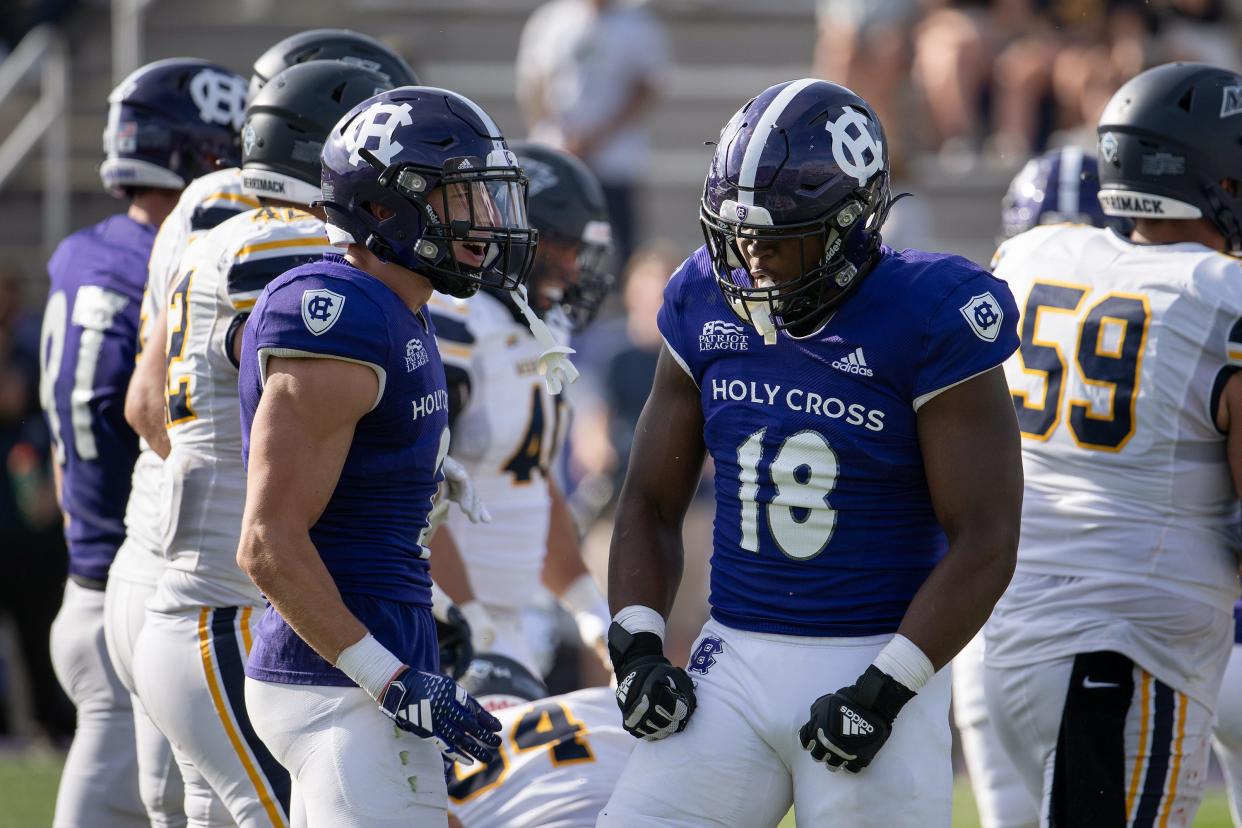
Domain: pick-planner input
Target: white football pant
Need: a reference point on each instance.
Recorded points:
(99, 784)
(1227, 732)
(159, 780)
(1160, 734)
(351, 766)
(1001, 797)
(739, 761)
(188, 668)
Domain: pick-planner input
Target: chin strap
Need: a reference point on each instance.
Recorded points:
(554, 364)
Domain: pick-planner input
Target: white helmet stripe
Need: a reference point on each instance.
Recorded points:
(759, 139)
(1071, 181)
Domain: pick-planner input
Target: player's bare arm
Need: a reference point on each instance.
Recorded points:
(1229, 411)
(566, 574)
(299, 441)
(645, 561)
(972, 456)
(144, 401)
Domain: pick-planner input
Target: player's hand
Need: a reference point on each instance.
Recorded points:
(435, 707)
(453, 635)
(656, 698)
(461, 491)
(847, 728)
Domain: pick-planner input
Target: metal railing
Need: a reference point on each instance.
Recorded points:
(128, 43)
(47, 123)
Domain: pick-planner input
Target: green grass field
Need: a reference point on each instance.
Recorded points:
(28, 790)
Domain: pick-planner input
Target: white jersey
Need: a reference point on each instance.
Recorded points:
(559, 762)
(206, 202)
(220, 278)
(1129, 508)
(507, 435)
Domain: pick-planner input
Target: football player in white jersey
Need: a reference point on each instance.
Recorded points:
(560, 758)
(1057, 187)
(204, 204)
(189, 658)
(1105, 655)
(507, 430)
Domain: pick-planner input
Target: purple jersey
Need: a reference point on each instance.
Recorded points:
(370, 534)
(824, 523)
(87, 351)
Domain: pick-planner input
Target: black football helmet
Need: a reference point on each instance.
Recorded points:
(803, 159)
(1170, 147)
(332, 44)
(498, 681)
(290, 118)
(565, 203)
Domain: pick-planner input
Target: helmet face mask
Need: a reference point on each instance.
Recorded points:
(804, 165)
(572, 275)
(825, 274)
(422, 178)
(571, 278)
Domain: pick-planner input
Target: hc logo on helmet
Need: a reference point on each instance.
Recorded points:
(378, 122)
(320, 309)
(220, 98)
(705, 655)
(860, 155)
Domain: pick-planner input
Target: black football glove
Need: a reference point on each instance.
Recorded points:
(848, 728)
(656, 698)
(453, 635)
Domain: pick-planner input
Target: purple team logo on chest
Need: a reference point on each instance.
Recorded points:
(705, 655)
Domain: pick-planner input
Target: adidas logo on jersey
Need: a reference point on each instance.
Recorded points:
(723, 336)
(854, 363)
(854, 725)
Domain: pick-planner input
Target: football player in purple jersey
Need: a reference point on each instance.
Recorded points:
(868, 489)
(345, 428)
(166, 125)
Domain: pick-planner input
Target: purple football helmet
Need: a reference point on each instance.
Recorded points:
(804, 159)
(1058, 186)
(170, 122)
(437, 166)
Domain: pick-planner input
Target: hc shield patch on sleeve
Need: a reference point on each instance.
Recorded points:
(984, 315)
(320, 309)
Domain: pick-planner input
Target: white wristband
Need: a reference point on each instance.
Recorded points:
(583, 595)
(902, 659)
(440, 602)
(369, 664)
(636, 618)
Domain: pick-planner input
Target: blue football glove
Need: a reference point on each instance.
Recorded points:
(435, 707)
(848, 728)
(656, 698)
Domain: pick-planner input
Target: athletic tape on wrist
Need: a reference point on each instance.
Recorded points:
(636, 618)
(583, 595)
(902, 659)
(369, 664)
